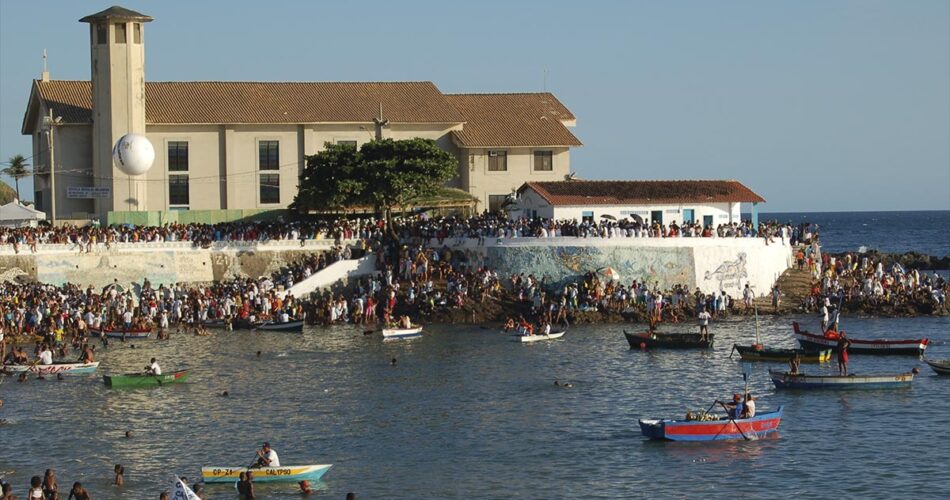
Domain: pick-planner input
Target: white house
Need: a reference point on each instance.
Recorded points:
(710, 202)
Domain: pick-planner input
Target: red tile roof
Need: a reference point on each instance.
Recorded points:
(502, 120)
(258, 102)
(579, 192)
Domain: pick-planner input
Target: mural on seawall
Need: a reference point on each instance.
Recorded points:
(560, 265)
(730, 274)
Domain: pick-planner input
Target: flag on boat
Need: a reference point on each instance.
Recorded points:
(183, 492)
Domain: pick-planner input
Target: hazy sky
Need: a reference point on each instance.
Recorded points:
(816, 105)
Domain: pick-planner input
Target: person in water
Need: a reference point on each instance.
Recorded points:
(794, 364)
(78, 493)
(119, 475)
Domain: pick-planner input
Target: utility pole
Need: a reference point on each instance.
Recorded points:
(51, 127)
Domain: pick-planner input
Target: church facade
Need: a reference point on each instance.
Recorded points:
(242, 145)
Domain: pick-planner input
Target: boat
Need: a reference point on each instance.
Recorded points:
(785, 380)
(758, 426)
(941, 367)
(538, 338)
(55, 368)
(649, 340)
(285, 474)
(756, 352)
(121, 333)
(402, 333)
(129, 380)
(813, 342)
(290, 326)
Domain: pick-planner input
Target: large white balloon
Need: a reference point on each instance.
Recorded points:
(133, 154)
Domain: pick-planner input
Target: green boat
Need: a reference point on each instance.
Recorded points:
(132, 380)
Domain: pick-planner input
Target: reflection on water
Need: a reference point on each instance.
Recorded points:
(466, 412)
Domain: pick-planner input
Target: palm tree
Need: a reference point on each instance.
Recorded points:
(18, 169)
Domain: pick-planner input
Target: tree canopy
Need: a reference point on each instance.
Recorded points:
(18, 168)
(383, 174)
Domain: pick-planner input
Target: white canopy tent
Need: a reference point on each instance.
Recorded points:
(15, 214)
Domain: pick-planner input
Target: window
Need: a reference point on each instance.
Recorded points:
(269, 155)
(137, 33)
(351, 144)
(102, 33)
(120, 33)
(496, 202)
(270, 188)
(543, 161)
(178, 190)
(497, 161)
(177, 156)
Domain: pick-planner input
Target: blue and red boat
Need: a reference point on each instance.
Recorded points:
(713, 430)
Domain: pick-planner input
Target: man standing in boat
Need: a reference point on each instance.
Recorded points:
(843, 343)
(267, 457)
(704, 317)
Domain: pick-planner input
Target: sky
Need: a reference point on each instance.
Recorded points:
(817, 105)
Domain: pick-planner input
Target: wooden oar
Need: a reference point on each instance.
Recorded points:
(747, 438)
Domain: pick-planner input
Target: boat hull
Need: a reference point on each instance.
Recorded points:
(141, 380)
(402, 333)
(290, 326)
(784, 380)
(288, 474)
(668, 340)
(715, 430)
(122, 334)
(53, 369)
(813, 342)
(941, 367)
(750, 353)
(527, 339)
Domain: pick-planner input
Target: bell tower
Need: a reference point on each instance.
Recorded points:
(117, 46)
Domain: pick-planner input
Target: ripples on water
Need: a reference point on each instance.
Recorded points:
(467, 413)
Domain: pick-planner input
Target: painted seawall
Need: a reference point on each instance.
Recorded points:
(712, 264)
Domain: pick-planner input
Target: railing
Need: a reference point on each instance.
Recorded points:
(99, 247)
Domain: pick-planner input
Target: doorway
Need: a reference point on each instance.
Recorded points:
(656, 217)
(689, 216)
(707, 221)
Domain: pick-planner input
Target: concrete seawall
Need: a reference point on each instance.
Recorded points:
(161, 263)
(712, 264)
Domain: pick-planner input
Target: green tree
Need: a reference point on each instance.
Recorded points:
(384, 174)
(400, 172)
(332, 180)
(18, 169)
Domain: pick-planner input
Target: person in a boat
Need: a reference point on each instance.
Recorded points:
(545, 328)
(794, 364)
(283, 317)
(267, 457)
(88, 355)
(734, 409)
(748, 408)
(405, 322)
(509, 324)
(46, 355)
(153, 368)
(704, 317)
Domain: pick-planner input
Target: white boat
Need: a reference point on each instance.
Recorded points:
(402, 333)
(64, 368)
(538, 338)
(285, 474)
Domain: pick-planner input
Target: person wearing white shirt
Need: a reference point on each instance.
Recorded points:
(267, 457)
(46, 356)
(153, 368)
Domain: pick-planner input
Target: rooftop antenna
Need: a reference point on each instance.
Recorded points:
(45, 75)
(545, 86)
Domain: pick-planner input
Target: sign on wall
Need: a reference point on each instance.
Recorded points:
(85, 192)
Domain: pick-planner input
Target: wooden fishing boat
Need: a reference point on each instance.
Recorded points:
(55, 368)
(813, 342)
(941, 367)
(130, 380)
(402, 333)
(121, 333)
(538, 338)
(759, 353)
(290, 326)
(650, 340)
(713, 430)
(286, 474)
(785, 380)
